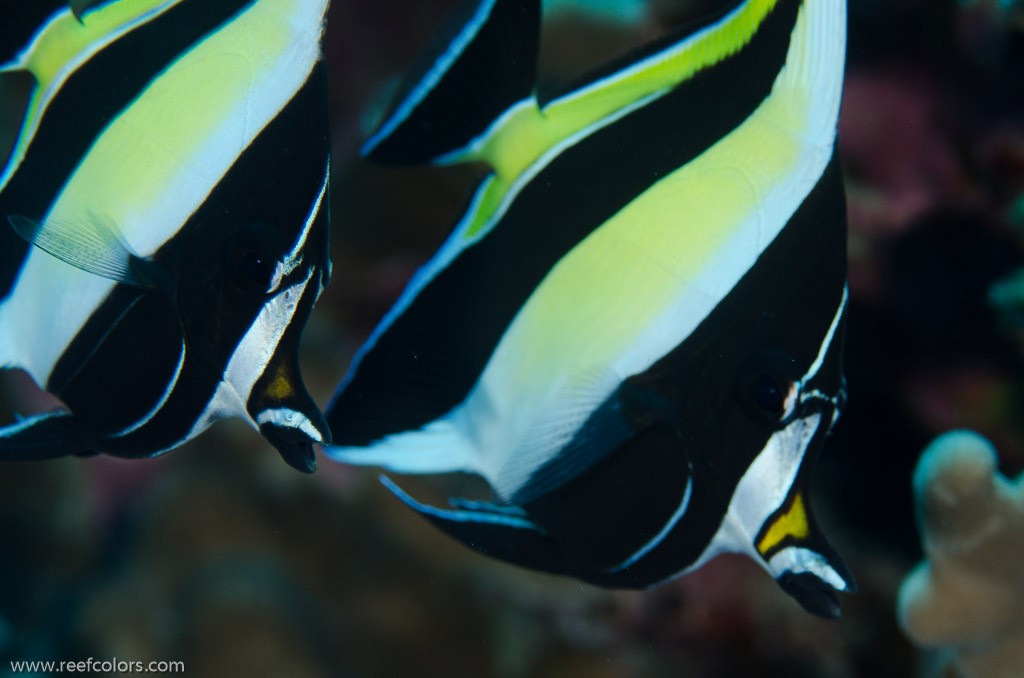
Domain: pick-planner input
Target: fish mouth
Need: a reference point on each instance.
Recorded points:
(295, 442)
(814, 594)
(295, 448)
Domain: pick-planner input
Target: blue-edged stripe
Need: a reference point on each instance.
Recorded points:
(441, 66)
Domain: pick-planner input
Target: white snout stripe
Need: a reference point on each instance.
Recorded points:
(285, 417)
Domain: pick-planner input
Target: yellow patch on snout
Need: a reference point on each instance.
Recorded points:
(281, 387)
(792, 523)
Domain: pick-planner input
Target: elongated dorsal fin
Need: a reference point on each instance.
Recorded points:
(92, 244)
(483, 61)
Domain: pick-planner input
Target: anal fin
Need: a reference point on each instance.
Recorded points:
(43, 436)
(496, 531)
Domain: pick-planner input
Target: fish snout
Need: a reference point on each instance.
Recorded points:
(280, 405)
(792, 546)
(286, 414)
(294, 433)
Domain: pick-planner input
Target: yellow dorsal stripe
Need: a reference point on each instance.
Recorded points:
(188, 126)
(792, 523)
(62, 46)
(64, 40)
(526, 132)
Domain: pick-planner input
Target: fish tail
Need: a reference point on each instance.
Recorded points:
(483, 62)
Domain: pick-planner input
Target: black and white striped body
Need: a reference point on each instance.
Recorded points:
(178, 152)
(634, 333)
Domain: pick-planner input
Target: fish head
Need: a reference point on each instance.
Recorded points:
(753, 396)
(244, 309)
(277, 400)
(796, 404)
(290, 281)
(253, 266)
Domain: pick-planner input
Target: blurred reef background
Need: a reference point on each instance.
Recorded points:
(221, 556)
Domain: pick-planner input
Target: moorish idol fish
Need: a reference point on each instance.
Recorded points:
(165, 183)
(634, 332)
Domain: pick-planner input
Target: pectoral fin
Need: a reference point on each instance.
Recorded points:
(546, 461)
(94, 245)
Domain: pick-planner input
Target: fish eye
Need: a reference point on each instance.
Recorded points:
(767, 393)
(253, 268)
(766, 389)
(252, 254)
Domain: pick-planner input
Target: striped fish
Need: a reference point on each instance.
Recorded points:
(165, 172)
(634, 333)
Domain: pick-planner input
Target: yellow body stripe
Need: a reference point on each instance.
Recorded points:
(203, 104)
(793, 523)
(65, 39)
(632, 289)
(654, 250)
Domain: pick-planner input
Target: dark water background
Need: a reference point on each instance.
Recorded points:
(221, 556)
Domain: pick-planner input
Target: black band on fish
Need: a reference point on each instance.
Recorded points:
(481, 62)
(15, 92)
